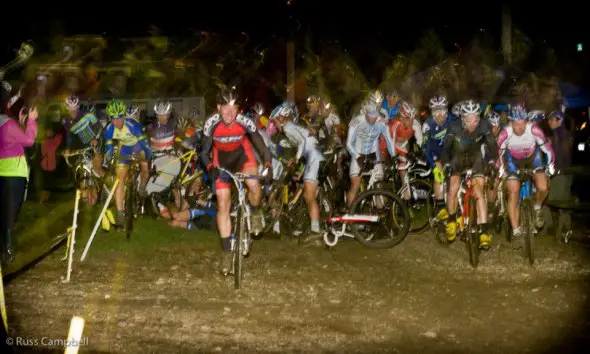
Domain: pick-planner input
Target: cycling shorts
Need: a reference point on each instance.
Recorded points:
(312, 166)
(512, 165)
(373, 161)
(236, 160)
(463, 162)
(124, 154)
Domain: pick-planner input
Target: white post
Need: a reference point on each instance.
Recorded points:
(72, 235)
(104, 209)
(2, 302)
(75, 335)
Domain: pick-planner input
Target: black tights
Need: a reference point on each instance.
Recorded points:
(12, 191)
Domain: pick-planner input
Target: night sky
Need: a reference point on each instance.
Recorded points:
(397, 26)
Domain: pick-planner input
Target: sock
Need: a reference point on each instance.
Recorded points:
(453, 217)
(516, 230)
(537, 207)
(188, 225)
(440, 203)
(226, 244)
(315, 226)
(484, 228)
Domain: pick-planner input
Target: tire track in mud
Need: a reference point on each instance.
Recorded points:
(418, 296)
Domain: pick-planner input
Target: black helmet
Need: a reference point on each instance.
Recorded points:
(227, 96)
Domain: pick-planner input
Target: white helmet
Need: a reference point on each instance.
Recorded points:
(438, 102)
(376, 98)
(408, 110)
(494, 118)
(162, 107)
(72, 101)
(470, 107)
(258, 108)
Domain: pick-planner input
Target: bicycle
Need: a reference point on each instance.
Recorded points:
(85, 177)
(362, 223)
(420, 192)
(240, 241)
(467, 222)
(527, 213)
(131, 202)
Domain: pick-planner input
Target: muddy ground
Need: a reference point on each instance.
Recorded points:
(166, 297)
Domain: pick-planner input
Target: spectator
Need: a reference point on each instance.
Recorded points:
(562, 142)
(14, 170)
(49, 147)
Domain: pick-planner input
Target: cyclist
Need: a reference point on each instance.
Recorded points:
(229, 136)
(306, 145)
(362, 142)
(322, 120)
(434, 131)
(83, 129)
(462, 150)
(256, 113)
(131, 141)
(391, 105)
(493, 118)
(402, 129)
(162, 132)
(271, 128)
(521, 146)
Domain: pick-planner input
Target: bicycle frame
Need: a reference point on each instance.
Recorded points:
(345, 220)
(185, 159)
(463, 195)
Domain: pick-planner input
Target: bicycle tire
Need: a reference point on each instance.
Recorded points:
(429, 204)
(472, 234)
(528, 230)
(238, 257)
(405, 223)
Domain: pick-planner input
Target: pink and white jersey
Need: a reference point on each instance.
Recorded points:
(523, 146)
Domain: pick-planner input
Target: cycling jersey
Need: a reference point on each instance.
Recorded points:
(524, 147)
(434, 136)
(363, 138)
(400, 135)
(392, 112)
(459, 141)
(131, 140)
(230, 147)
(84, 126)
(162, 135)
(306, 145)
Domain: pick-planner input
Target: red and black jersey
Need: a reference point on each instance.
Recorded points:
(226, 138)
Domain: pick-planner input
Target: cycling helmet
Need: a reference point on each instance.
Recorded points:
(517, 112)
(557, 115)
(393, 93)
(72, 101)
(258, 108)
(162, 107)
(494, 118)
(132, 111)
(227, 96)
(438, 102)
(536, 116)
(407, 109)
(116, 109)
(376, 98)
(456, 110)
(470, 107)
(313, 99)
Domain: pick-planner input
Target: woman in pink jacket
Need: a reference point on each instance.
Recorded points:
(14, 171)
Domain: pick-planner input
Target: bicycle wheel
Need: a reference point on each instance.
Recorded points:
(472, 234)
(527, 227)
(394, 219)
(421, 204)
(272, 207)
(238, 258)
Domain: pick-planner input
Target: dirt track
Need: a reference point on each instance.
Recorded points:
(417, 297)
